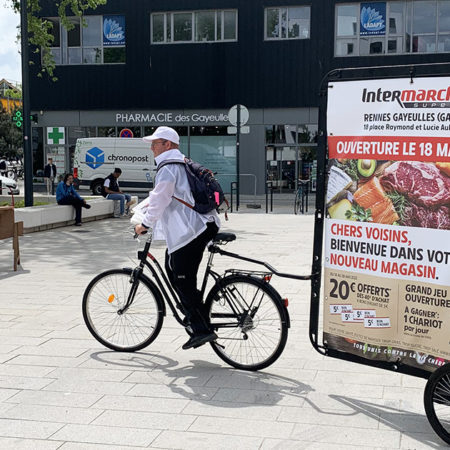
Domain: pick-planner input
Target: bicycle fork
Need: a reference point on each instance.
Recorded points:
(134, 280)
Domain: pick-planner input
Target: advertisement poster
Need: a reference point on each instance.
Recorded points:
(387, 236)
(373, 19)
(113, 30)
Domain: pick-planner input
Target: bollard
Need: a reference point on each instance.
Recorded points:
(233, 187)
(116, 208)
(269, 186)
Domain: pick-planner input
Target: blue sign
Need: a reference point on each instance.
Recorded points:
(95, 157)
(113, 30)
(373, 19)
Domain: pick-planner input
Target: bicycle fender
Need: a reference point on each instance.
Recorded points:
(149, 282)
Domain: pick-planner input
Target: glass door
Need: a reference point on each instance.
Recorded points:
(59, 154)
(282, 167)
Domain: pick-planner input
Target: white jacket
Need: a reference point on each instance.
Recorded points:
(172, 221)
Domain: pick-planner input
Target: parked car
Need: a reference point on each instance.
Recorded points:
(9, 186)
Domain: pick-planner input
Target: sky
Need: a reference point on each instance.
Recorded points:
(10, 64)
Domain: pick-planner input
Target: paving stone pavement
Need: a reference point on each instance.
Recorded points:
(60, 389)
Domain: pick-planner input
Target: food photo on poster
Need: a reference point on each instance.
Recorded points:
(387, 246)
(407, 193)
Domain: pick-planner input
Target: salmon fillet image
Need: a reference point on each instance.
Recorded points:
(371, 196)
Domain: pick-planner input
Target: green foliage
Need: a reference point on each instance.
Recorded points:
(39, 29)
(399, 201)
(350, 167)
(11, 93)
(21, 204)
(10, 135)
(359, 213)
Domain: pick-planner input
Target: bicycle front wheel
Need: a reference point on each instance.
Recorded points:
(297, 202)
(124, 331)
(250, 321)
(437, 402)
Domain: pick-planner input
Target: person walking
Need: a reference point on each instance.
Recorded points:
(186, 231)
(67, 195)
(111, 191)
(50, 175)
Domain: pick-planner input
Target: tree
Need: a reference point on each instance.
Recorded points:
(11, 93)
(40, 29)
(10, 135)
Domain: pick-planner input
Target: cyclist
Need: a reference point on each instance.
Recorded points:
(186, 231)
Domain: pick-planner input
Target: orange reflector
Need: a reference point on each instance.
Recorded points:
(111, 298)
(286, 302)
(267, 278)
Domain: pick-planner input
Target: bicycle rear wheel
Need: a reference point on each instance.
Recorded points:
(437, 402)
(250, 321)
(297, 202)
(132, 329)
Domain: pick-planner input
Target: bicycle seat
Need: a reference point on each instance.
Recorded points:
(224, 237)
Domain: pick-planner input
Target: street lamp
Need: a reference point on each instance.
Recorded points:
(27, 155)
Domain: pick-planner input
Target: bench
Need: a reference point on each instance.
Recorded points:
(39, 218)
(11, 229)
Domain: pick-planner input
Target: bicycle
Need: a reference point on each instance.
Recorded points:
(124, 309)
(301, 197)
(437, 402)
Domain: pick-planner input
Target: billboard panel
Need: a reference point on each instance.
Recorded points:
(387, 246)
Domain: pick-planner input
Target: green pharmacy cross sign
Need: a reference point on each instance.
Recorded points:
(55, 135)
(18, 119)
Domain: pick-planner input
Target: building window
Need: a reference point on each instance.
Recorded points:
(392, 27)
(194, 26)
(287, 23)
(93, 40)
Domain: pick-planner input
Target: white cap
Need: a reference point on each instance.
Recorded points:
(167, 133)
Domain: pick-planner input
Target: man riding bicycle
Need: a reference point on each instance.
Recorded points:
(185, 231)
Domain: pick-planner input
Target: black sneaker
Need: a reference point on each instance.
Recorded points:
(87, 206)
(198, 340)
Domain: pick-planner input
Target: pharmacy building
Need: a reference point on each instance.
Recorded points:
(127, 67)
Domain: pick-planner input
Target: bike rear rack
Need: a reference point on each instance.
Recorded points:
(272, 270)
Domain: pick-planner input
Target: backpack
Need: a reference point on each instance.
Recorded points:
(206, 190)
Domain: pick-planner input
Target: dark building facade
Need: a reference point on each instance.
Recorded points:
(184, 63)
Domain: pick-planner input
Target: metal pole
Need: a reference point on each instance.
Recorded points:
(271, 197)
(267, 198)
(27, 155)
(231, 193)
(238, 137)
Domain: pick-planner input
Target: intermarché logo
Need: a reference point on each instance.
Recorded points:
(410, 98)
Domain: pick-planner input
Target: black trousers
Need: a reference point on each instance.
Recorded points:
(182, 267)
(76, 203)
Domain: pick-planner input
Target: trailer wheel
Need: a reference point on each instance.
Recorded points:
(437, 402)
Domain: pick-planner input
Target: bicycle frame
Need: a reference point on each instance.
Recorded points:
(169, 294)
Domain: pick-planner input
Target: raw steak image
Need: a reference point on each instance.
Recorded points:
(419, 216)
(422, 183)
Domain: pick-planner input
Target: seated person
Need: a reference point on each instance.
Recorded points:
(67, 195)
(111, 191)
